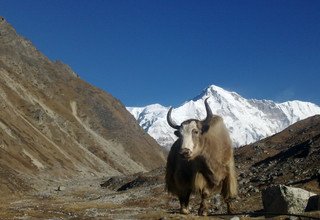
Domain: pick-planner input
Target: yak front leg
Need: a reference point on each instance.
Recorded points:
(204, 205)
(184, 203)
(230, 206)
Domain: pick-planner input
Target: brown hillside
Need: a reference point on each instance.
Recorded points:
(55, 125)
(290, 157)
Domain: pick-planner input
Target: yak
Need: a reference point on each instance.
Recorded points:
(201, 161)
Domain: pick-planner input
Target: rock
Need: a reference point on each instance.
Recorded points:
(60, 188)
(242, 174)
(313, 203)
(139, 181)
(285, 200)
(116, 181)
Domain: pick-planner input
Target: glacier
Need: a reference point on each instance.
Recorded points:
(248, 120)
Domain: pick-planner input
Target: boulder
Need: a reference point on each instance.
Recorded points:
(285, 200)
(313, 204)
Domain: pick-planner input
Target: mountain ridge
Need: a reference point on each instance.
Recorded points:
(248, 120)
(53, 124)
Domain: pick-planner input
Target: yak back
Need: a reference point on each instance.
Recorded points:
(216, 145)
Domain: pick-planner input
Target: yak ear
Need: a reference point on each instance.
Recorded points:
(205, 128)
(177, 133)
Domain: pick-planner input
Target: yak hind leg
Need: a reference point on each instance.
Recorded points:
(204, 205)
(230, 189)
(184, 203)
(230, 206)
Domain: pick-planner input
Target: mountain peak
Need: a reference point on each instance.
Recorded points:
(248, 120)
(214, 88)
(214, 91)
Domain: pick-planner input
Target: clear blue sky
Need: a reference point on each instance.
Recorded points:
(158, 51)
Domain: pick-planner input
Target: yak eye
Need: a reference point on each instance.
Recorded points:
(195, 132)
(177, 133)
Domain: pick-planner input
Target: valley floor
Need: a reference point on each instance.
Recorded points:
(141, 197)
(86, 199)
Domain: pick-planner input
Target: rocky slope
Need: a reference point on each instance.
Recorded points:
(55, 125)
(290, 157)
(248, 120)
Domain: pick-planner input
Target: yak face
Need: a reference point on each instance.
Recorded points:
(189, 134)
(190, 131)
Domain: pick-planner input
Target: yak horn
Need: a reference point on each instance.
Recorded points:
(208, 109)
(169, 120)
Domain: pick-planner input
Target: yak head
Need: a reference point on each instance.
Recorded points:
(190, 132)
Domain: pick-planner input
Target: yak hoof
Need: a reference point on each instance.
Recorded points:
(184, 211)
(202, 213)
(230, 208)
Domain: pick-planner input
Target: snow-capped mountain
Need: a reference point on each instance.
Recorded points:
(248, 120)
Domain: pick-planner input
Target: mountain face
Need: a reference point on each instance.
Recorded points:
(55, 125)
(248, 120)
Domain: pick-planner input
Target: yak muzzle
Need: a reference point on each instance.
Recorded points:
(186, 153)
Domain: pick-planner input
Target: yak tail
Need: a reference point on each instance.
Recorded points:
(230, 185)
